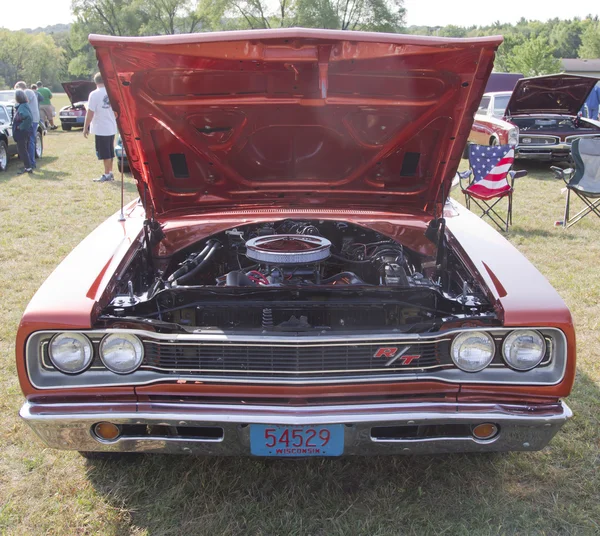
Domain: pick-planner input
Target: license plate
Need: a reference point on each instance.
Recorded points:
(297, 441)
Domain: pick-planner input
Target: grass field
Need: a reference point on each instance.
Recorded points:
(556, 491)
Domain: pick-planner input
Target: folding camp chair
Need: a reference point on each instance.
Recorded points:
(584, 180)
(490, 168)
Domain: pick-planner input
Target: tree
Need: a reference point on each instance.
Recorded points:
(565, 38)
(452, 31)
(505, 52)
(170, 16)
(109, 17)
(29, 57)
(590, 41)
(533, 58)
(369, 15)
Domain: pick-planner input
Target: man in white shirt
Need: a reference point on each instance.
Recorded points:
(100, 120)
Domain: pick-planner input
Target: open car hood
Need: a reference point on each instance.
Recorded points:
(294, 117)
(79, 90)
(552, 94)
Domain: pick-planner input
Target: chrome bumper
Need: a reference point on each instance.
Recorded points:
(69, 427)
(544, 152)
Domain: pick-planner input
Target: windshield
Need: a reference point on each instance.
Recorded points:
(500, 104)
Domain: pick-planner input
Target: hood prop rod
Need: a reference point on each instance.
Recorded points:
(122, 215)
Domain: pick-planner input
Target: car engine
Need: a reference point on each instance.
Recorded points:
(295, 275)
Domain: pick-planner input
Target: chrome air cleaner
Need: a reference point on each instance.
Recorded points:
(288, 249)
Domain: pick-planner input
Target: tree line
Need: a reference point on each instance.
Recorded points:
(62, 52)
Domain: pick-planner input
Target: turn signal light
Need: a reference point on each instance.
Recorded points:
(485, 431)
(107, 431)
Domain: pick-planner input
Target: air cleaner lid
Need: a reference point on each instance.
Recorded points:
(288, 249)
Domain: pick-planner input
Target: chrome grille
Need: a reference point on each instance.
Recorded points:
(293, 359)
(538, 140)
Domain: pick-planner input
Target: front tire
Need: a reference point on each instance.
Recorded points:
(66, 128)
(39, 145)
(122, 168)
(494, 141)
(3, 155)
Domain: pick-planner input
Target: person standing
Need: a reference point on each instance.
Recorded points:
(100, 120)
(32, 100)
(22, 130)
(593, 102)
(47, 111)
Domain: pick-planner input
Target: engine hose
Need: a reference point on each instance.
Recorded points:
(199, 267)
(340, 258)
(189, 264)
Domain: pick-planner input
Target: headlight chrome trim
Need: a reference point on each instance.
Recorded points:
(516, 333)
(77, 336)
(468, 334)
(132, 339)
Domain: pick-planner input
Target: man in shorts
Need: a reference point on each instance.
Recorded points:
(46, 108)
(100, 120)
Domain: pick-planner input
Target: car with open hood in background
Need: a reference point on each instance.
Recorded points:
(78, 92)
(540, 116)
(294, 279)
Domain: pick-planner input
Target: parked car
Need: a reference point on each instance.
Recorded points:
(122, 162)
(8, 146)
(291, 282)
(8, 96)
(78, 93)
(540, 116)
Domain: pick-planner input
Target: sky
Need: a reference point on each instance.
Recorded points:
(419, 12)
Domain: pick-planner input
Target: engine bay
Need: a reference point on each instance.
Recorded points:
(298, 275)
(557, 124)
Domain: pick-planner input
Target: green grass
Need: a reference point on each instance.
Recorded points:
(42, 491)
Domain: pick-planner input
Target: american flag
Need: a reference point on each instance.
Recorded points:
(490, 165)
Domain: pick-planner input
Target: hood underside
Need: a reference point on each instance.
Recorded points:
(552, 94)
(79, 90)
(294, 117)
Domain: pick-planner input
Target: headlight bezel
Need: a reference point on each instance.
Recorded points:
(466, 335)
(77, 336)
(517, 333)
(513, 136)
(134, 339)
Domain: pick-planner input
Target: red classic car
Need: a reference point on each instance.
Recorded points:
(540, 116)
(294, 280)
(78, 93)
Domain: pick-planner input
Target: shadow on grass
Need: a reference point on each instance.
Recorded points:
(528, 232)
(194, 495)
(40, 172)
(497, 493)
(540, 171)
(128, 185)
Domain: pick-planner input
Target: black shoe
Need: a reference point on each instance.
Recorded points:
(24, 170)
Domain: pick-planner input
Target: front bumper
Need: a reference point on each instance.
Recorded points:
(72, 120)
(547, 153)
(69, 426)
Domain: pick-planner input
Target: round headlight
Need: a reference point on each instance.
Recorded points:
(121, 352)
(524, 349)
(71, 353)
(472, 351)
